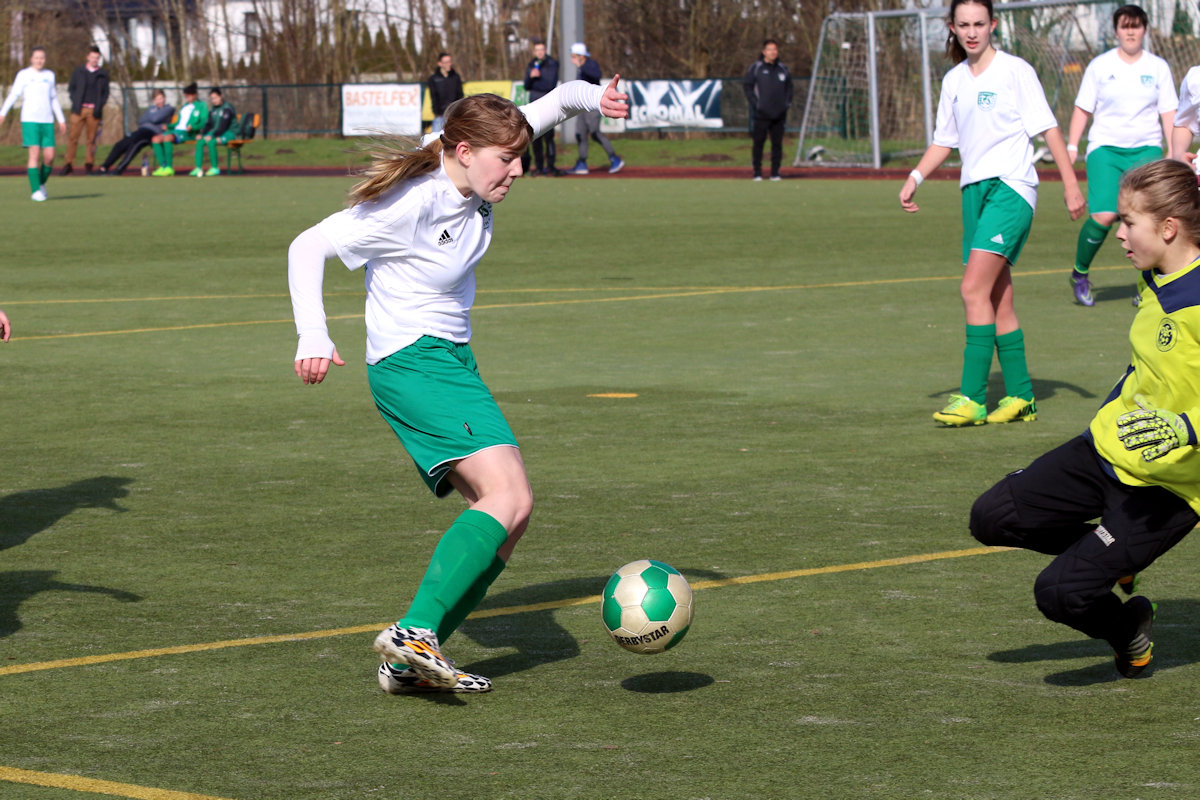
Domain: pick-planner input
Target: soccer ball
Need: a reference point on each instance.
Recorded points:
(647, 606)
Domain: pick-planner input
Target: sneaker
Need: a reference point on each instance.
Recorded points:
(39, 196)
(404, 680)
(67, 169)
(580, 168)
(776, 178)
(419, 649)
(617, 164)
(197, 173)
(164, 172)
(1129, 583)
(961, 411)
(1013, 409)
(1083, 289)
(1133, 659)
(213, 171)
(757, 178)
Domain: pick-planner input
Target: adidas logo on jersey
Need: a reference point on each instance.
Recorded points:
(445, 239)
(998, 239)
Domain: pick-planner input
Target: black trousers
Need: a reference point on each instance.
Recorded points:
(764, 128)
(127, 148)
(1049, 507)
(544, 152)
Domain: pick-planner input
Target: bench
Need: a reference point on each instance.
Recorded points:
(248, 125)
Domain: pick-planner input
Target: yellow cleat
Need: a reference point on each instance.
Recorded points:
(961, 412)
(1013, 409)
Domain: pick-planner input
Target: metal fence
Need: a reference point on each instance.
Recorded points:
(316, 109)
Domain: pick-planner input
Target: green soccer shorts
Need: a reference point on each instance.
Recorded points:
(37, 134)
(1105, 166)
(995, 219)
(431, 394)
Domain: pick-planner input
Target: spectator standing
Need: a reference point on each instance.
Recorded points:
(222, 126)
(88, 91)
(445, 86)
(589, 71)
(768, 88)
(38, 92)
(153, 122)
(541, 76)
(192, 119)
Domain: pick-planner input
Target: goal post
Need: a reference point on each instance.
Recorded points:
(877, 75)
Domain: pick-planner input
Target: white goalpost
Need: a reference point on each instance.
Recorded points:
(877, 74)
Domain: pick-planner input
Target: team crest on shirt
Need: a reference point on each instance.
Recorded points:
(1168, 334)
(485, 211)
(1147, 80)
(986, 100)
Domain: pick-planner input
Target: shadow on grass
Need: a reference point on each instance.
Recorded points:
(537, 637)
(1176, 643)
(24, 514)
(1122, 293)
(1043, 389)
(667, 682)
(17, 587)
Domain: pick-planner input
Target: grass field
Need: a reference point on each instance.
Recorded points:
(196, 550)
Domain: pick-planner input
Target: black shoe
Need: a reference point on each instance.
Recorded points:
(87, 168)
(67, 169)
(1133, 659)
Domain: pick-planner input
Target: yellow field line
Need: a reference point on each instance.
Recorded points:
(491, 612)
(665, 294)
(76, 783)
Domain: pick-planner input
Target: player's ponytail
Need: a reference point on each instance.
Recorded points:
(1166, 188)
(954, 49)
(481, 120)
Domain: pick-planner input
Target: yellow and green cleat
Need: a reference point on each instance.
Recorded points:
(962, 411)
(1013, 409)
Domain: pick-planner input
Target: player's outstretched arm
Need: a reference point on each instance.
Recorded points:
(1154, 431)
(932, 159)
(614, 103)
(315, 351)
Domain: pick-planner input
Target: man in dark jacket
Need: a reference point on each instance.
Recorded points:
(88, 90)
(541, 76)
(445, 86)
(768, 87)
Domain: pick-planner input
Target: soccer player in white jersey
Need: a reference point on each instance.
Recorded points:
(1137, 466)
(1129, 96)
(990, 108)
(36, 89)
(420, 222)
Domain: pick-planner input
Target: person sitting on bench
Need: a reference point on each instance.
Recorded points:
(152, 123)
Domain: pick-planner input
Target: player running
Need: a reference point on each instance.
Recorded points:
(1137, 466)
(38, 92)
(990, 108)
(1129, 96)
(420, 223)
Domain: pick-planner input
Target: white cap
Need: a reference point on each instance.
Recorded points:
(579, 49)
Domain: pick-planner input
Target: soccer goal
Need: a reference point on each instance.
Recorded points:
(876, 76)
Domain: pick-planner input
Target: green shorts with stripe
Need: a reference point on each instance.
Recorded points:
(1105, 166)
(995, 219)
(37, 134)
(431, 394)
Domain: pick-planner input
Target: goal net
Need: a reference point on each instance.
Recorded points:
(877, 75)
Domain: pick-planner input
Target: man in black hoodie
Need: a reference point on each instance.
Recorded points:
(88, 90)
(768, 87)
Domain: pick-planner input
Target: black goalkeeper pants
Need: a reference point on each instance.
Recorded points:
(1050, 507)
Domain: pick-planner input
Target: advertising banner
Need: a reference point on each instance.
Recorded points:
(373, 108)
(674, 104)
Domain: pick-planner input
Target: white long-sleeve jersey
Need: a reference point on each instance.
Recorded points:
(39, 96)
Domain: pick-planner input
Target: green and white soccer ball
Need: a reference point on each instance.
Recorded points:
(647, 606)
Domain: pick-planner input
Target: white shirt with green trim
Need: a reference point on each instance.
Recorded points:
(419, 243)
(1126, 101)
(39, 96)
(991, 119)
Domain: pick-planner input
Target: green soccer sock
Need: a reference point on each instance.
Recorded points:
(159, 157)
(455, 616)
(168, 155)
(977, 361)
(1091, 239)
(463, 557)
(199, 155)
(1010, 349)
(44, 173)
(35, 178)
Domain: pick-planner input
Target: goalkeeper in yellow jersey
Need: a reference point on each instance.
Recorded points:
(1137, 467)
